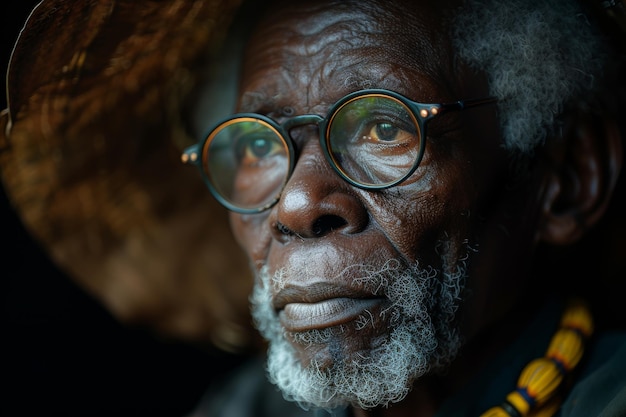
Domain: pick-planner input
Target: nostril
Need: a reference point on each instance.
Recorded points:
(284, 230)
(326, 224)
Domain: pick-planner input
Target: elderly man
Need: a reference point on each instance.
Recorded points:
(397, 171)
(391, 170)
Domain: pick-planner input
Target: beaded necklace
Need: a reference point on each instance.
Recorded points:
(539, 383)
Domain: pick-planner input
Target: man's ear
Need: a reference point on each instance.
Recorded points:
(581, 170)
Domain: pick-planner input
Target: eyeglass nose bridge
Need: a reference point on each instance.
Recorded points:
(303, 120)
(300, 120)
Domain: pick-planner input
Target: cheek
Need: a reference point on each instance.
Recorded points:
(418, 216)
(252, 234)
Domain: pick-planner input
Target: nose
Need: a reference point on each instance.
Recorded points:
(316, 202)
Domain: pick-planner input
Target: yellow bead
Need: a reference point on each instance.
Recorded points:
(519, 402)
(566, 347)
(549, 409)
(577, 316)
(495, 412)
(540, 378)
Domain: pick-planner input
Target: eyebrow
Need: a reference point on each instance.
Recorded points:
(353, 81)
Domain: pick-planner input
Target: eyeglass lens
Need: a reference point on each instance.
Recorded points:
(247, 162)
(373, 140)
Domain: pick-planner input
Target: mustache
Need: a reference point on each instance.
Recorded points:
(412, 290)
(358, 273)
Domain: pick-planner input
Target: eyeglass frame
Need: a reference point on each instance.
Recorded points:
(421, 113)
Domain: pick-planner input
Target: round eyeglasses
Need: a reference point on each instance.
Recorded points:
(373, 139)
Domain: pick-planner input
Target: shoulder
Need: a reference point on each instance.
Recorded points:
(601, 387)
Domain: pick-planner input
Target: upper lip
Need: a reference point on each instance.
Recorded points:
(316, 292)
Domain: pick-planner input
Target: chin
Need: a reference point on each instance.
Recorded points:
(353, 342)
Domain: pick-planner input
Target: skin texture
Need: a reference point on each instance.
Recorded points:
(304, 58)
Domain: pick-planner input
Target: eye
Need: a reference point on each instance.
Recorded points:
(258, 148)
(385, 132)
(253, 149)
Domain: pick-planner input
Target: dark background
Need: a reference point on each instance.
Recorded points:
(61, 353)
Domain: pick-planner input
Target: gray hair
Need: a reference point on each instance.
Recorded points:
(539, 56)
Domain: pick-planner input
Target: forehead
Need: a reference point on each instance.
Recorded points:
(325, 49)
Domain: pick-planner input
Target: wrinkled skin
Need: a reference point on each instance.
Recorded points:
(301, 61)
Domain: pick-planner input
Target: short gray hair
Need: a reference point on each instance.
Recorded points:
(539, 56)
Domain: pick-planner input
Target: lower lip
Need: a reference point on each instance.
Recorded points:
(298, 317)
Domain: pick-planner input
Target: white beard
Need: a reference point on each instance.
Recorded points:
(424, 337)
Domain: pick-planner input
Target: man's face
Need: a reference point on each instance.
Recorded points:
(359, 291)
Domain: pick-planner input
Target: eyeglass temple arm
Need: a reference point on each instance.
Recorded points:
(465, 104)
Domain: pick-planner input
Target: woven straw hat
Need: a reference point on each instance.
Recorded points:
(90, 159)
(98, 93)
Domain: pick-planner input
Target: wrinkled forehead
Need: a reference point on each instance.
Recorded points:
(361, 41)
